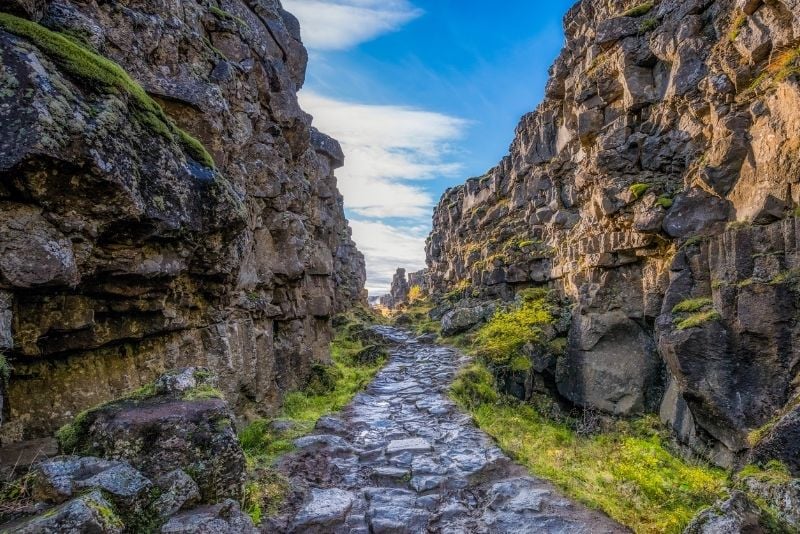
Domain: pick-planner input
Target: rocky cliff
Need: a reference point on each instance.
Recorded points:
(164, 202)
(656, 188)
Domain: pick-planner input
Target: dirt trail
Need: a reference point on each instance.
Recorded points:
(402, 458)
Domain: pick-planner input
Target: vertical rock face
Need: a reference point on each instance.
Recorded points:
(134, 240)
(656, 188)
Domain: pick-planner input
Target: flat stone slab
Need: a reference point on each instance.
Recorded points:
(408, 445)
(327, 507)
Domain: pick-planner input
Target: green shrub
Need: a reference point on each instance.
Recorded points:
(501, 339)
(101, 73)
(639, 10)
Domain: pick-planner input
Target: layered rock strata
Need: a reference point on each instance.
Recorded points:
(656, 188)
(164, 202)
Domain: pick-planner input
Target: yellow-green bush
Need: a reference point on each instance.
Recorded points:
(500, 340)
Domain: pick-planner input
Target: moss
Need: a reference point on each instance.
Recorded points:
(202, 392)
(692, 305)
(664, 202)
(5, 368)
(639, 10)
(790, 276)
(698, 319)
(264, 495)
(501, 339)
(755, 436)
(69, 435)
(224, 15)
(774, 472)
(736, 26)
(109, 516)
(638, 189)
(647, 25)
(99, 72)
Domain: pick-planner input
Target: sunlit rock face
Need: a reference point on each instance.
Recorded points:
(126, 248)
(661, 166)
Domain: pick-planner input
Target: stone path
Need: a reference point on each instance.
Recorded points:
(402, 458)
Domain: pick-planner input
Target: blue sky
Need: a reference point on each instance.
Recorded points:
(422, 94)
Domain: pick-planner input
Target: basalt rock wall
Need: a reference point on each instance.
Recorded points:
(656, 188)
(164, 202)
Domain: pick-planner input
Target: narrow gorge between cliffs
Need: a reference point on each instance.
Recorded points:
(605, 336)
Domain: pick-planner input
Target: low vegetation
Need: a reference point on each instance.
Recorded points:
(101, 73)
(329, 389)
(501, 340)
(628, 472)
(639, 10)
(638, 190)
(695, 312)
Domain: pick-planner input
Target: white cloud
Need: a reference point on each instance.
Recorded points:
(386, 248)
(341, 24)
(386, 149)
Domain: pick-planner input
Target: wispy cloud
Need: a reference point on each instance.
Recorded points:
(387, 149)
(390, 151)
(386, 248)
(342, 24)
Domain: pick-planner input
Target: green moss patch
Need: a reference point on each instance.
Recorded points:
(695, 312)
(500, 341)
(638, 190)
(99, 72)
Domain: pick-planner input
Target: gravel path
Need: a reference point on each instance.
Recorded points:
(402, 458)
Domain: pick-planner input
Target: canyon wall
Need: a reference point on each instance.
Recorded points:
(656, 188)
(164, 202)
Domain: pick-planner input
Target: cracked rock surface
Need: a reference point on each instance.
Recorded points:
(406, 460)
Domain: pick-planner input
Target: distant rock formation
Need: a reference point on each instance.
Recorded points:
(655, 188)
(164, 202)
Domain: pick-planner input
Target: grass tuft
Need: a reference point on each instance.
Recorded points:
(692, 305)
(639, 10)
(98, 71)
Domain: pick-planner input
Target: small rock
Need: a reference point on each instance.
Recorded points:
(326, 508)
(408, 445)
(331, 425)
(330, 443)
(184, 380)
(179, 491)
(223, 518)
